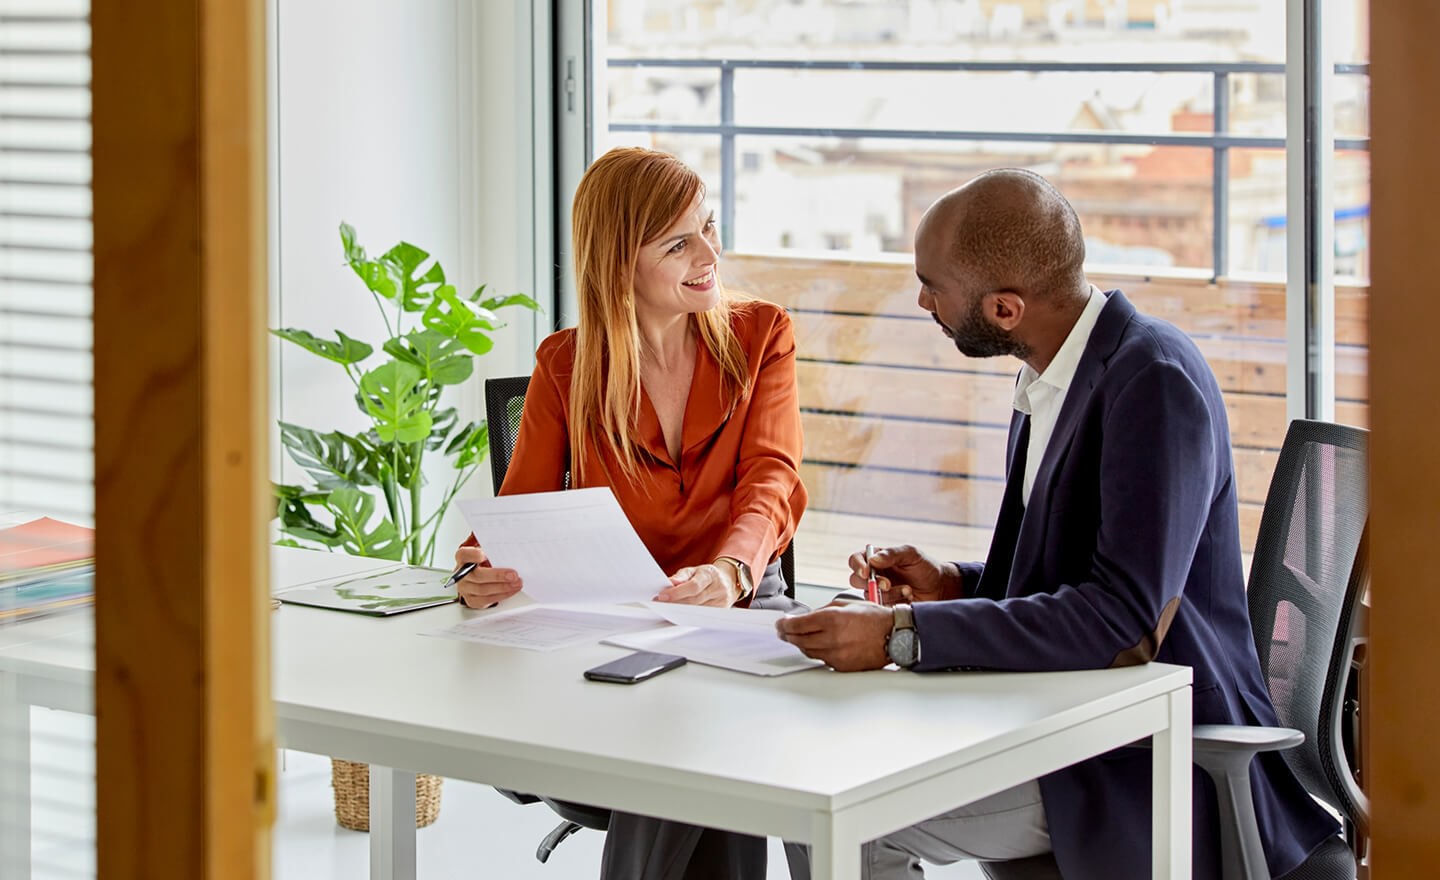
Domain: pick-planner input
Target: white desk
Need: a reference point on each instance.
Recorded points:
(788, 757)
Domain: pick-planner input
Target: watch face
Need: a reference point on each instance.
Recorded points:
(902, 647)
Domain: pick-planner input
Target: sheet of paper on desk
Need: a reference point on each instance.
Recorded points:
(760, 620)
(546, 627)
(741, 650)
(569, 547)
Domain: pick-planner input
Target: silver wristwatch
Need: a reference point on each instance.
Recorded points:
(902, 646)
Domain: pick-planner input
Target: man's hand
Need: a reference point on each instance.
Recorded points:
(849, 637)
(701, 585)
(906, 575)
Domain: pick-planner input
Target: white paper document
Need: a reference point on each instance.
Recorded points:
(569, 547)
(758, 620)
(545, 628)
(752, 651)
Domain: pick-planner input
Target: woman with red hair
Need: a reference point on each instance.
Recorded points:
(681, 398)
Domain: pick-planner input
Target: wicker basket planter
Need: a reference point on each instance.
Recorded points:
(351, 782)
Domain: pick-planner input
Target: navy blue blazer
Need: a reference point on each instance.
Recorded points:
(1129, 551)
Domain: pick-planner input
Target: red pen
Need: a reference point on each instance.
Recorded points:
(872, 590)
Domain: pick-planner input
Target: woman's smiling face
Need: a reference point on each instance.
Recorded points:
(675, 273)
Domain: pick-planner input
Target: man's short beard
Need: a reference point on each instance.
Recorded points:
(977, 338)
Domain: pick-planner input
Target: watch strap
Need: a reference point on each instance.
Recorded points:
(902, 645)
(904, 616)
(742, 577)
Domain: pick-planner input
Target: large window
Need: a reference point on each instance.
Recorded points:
(825, 127)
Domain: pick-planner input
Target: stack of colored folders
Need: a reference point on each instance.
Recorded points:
(45, 566)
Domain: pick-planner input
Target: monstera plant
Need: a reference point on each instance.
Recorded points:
(364, 494)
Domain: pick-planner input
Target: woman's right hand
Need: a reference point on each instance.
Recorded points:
(906, 574)
(485, 585)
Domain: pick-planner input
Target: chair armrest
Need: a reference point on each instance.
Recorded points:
(1214, 739)
(1244, 738)
(1225, 752)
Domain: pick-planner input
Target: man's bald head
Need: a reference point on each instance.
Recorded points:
(1009, 229)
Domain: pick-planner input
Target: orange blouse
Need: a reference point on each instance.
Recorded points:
(736, 490)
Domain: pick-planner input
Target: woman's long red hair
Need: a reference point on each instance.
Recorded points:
(627, 198)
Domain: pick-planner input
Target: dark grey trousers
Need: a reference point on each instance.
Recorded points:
(645, 848)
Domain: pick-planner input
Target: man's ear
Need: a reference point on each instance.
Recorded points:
(1004, 308)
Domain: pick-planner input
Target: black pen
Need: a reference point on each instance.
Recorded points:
(459, 575)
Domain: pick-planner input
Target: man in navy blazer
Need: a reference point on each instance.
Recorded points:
(1117, 543)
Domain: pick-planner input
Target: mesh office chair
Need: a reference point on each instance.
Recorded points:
(1306, 596)
(504, 402)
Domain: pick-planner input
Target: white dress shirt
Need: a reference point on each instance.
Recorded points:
(1041, 395)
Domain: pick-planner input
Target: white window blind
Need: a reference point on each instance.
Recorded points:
(47, 757)
(46, 362)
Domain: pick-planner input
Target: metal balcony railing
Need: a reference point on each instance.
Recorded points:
(1220, 141)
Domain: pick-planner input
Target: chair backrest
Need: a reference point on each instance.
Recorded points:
(504, 402)
(1307, 584)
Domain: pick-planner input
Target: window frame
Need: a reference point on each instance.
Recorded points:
(1309, 69)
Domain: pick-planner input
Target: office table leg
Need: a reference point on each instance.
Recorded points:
(1171, 828)
(834, 850)
(392, 824)
(14, 780)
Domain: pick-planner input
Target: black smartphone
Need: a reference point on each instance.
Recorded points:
(635, 667)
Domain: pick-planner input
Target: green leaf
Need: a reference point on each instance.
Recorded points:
(295, 516)
(334, 460)
(353, 510)
(470, 446)
(354, 253)
(444, 421)
(400, 460)
(503, 302)
(393, 460)
(375, 275)
(441, 359)
(396, 274)
(284, 492)
(390, 395)
(408, 472)
(462, 321)
(403, 262)
(346, 351)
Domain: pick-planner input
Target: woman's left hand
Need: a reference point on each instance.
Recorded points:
(701, 585)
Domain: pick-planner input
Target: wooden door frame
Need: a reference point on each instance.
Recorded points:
(1402, 762)
(184, 735)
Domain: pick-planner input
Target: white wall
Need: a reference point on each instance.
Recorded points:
(405, 119)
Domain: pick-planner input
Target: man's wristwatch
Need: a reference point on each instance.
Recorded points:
(742, 577)
(902, 646)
